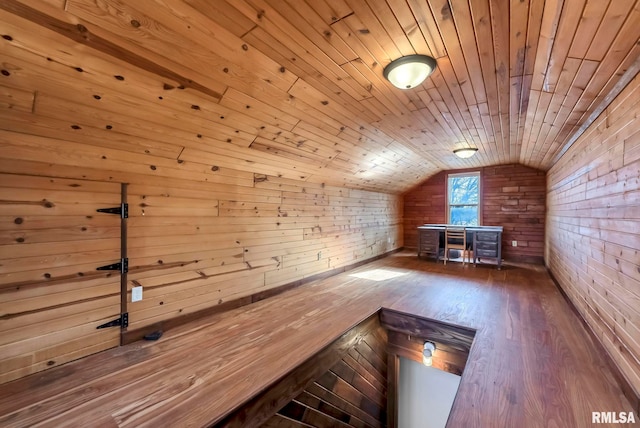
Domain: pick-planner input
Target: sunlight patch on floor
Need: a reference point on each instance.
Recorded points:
(378, 274)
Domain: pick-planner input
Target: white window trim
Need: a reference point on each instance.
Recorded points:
(465, 174)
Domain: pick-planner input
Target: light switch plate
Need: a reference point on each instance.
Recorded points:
(136, 294)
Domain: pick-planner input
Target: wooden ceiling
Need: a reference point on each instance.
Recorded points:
(294, 88)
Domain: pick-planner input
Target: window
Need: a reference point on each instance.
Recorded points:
(463, 199)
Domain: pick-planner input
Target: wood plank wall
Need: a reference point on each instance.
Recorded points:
(209, 221)
(194, 245)
(513, 196)
(593, 239)
(193, 249)
(52, 298)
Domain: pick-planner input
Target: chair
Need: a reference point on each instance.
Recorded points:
(455, 238)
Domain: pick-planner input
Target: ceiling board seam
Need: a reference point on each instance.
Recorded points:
(33, 104)
(520, 126)
(547, 55)
(626, 78)
(180, 154)
(340, 19)
(249, 31)
(80, 34)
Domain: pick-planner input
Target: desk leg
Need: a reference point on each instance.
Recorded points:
(499, 251)
(475, 253)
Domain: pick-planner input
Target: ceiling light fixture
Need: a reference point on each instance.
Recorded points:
(466, 152)
(427, 353)
(409, 71)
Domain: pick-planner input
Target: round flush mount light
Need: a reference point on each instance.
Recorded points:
(409, 71)
(466, 152)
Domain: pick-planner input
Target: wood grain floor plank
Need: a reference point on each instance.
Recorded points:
(531, 361)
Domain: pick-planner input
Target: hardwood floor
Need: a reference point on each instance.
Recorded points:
(531, 364)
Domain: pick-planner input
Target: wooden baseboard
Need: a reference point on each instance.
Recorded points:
(535, 260)
(622, 380)
(139, 333)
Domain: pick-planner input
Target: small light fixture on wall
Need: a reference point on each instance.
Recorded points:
(409, 71)
(427, 353)
(466, 152)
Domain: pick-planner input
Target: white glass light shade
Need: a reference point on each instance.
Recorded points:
(427, 361)
(409, 71)
(427, 353)
(466, 152)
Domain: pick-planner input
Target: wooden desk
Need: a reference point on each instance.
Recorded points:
(486, 241)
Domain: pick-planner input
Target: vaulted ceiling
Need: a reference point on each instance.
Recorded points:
(295, 87)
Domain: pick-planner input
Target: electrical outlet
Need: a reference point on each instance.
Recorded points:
(514, 243)
(136, 294)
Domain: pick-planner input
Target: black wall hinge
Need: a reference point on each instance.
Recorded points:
(123, 322)
(122, 266)
(122, 210)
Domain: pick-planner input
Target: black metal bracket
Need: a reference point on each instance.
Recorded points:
(123, 322)
(122, 266)
(122, 210)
